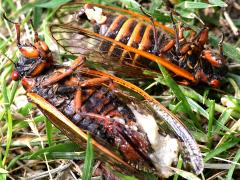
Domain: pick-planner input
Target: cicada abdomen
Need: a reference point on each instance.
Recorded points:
(136, 42)
(122, 119)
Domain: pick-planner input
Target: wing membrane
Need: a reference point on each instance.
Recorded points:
(82, 42)
(166, 120)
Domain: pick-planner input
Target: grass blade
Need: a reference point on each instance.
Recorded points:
(64, 147)
(231, 169)
(222, 148)
(210, 122)
(179, 166)
(177, 91)
(185, 174)
(9, 135)
(88, 163)
(52, 4)
(13, 91)
(49, 131)
(222, 120)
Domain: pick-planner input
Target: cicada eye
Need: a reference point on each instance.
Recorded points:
(215, 83)
(28, 83)
(15, 75)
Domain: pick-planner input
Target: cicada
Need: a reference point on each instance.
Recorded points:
(130, 129)
(136, 40)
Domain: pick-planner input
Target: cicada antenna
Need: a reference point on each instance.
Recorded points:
(8, 58)
(156, 45)
(220, 45)
(36, 37)
(17, 27)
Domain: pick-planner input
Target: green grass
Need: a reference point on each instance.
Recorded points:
(29, 142)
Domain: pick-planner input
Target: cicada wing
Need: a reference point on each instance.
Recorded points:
(84, 42)
(80, 41)
(168, 122)
(80, 137)
(95, 46)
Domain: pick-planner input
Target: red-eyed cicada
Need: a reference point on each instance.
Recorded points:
(130, 129)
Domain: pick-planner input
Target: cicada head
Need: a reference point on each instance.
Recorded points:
(34, 57)
(211, 71)
(205, 63)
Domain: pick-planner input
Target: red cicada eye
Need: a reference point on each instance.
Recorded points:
(215, 83)
(27, 83)
(15, 75)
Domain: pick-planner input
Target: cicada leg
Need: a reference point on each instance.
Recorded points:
(178, 37)
(78, 100)
(181, 29)
(85, 83)
(220, 45)
(167, 47)
(176, 34)
(202, 37)
(211, 58)
(77, 63)
(184, 82)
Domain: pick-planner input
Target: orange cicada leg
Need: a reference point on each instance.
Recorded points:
(85, 83)
(168, 46)
(185, 48)
(217, 60)
(213, 59)
(77, 63)
(202, 37)
(78, 100)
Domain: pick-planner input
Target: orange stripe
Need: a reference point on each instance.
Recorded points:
(145, 43)
(134, 39)
(123, 32)
(114, 24)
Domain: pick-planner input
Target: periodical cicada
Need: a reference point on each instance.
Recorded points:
(130, 129)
